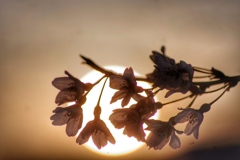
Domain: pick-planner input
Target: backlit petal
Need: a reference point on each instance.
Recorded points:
(99, 139)
(62, 82)
(118, 82)
(118, 95)
(60, 118)
(73, 125)
(183, 116)
(175, 141)
(128, 74)
(65, 96)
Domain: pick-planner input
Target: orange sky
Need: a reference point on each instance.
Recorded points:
(41, 39)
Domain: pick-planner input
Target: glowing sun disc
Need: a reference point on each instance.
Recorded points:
(124, 144)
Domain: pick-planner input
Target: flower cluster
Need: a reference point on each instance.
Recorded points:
(169, 75)
(132, 118)
(166, 74)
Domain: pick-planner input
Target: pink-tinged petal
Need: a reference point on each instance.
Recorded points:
(196, 132)
(81, 140)
(73, 125)
(164, 141)
(118, 95)
(195, 121)
(119, 115)
(100, 125)
(153, 124)
(175, 141)
(190, 128)
(135, 130)
(65, 96)
(184, 115)
(118, 119)
(99, 139)
(152, 140)
(126, 100)
(118, 82)
(63, 82)
(111, 139)
(128, 74)
(137, 97)
(60, 118)
(85, 133)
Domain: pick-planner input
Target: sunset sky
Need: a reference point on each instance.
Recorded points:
(39, 40)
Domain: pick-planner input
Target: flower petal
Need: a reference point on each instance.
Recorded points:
(60, 118)
(100, 125)
(119, 115)
(65, 96)
(85, 133)
(99, 139)
(63, 82)
(128, 74)
(135, 130)
(126, 100)
(183, 116)
(73, 125)
(175, 141)
(118, 82)
(118, 95)
(196, 132)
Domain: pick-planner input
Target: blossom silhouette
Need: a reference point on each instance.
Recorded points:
(132, 119)
(72, 116)
(160, 134)
(71, 88)
(99, 132)
(169, 75)
(126, 85)
(194, 118)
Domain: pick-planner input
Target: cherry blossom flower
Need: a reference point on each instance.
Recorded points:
(160, 134)
(71, 88)
(72, 116)
(132, 119)
(99, 132)
(126, 85)
(169, 75)
(194, 118)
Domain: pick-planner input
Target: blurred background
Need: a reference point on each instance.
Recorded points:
(41, 39)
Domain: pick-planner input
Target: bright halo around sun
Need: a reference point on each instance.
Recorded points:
(124, 144)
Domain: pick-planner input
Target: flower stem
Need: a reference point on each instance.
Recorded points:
(219, 96)
(100, 96)
(222, 80)
(95, 84)
(177, 100)
(197, 70)
(190, 104)
(217, 89)
(200, 68)
(97, 109)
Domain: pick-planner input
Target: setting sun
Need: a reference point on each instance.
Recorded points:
(124, 144)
